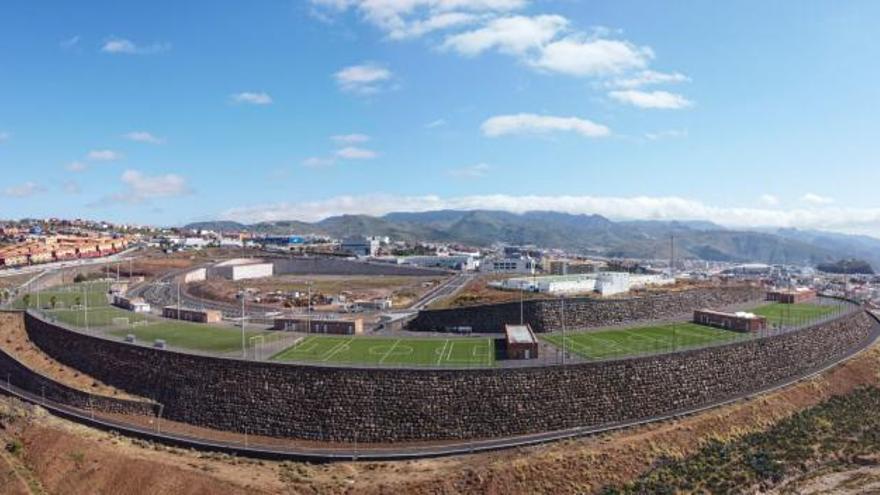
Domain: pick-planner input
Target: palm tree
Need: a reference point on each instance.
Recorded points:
(77, 300)
(26, 300)
(52, 301)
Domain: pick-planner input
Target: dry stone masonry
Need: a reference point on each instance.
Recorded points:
(388, 405)
(546, 314)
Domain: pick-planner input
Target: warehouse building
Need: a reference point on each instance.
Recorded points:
(740, 321)
(795, 296)
(242, 269)
(136, 304)
(195, 315)
(521, 342)
(361, 246)
(522, 264)
(451, 262)
(352, 326)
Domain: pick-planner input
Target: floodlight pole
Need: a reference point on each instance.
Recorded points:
(563, 329)
(243, 347)
(309, 306)
(86, 306)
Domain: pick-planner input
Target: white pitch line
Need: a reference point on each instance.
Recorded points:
(442, 351)
(390, 350)
(449, 353)
(338, 347)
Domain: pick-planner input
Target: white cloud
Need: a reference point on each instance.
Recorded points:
(143, 137)
(768, 200)
(472, 171)
(104, 155)
(24, 190)
(514, 35)
(252, 98)
(667, 134)
(435, 124)
(141, 188)
(350, 138)
(412, 18)
(69, 43)
(653, 99)
(866, 220)
(4, 137)
(365, 78)
(592, 57)
(76, 166)
(649, 77)
(355, 153)
(816, 200)
(128, 47)
(527, 123)
(318, 162)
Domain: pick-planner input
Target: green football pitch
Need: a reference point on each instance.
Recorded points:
(194, 336)
(795, 314)
(606, 344)
(462, 352)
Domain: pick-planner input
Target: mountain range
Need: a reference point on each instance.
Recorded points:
(588, 234)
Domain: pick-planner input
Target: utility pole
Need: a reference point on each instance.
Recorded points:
(86, 303)
(521, 320)
(672, 256)
(309, 307)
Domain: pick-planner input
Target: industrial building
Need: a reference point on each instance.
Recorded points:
(360, 246)
(521, 342)
(570, 267)
(241, 269)
(794, 296)
(605, 283)
(195, 315)
(522, 264)
(740, 321)
(352, 326)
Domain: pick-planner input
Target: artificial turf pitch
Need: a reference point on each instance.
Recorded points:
(795, 314)
(463, 352)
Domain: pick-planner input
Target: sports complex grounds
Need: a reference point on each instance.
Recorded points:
(86, 306)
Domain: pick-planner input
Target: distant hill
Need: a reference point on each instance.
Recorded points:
(590, 234)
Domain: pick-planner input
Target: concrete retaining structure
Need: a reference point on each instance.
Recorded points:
(393, 405)
(580, 312)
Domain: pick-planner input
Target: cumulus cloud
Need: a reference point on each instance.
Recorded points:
(318, 162)
(472, 171)
(366, 78)
(24, 190)
(816, 200)
(866, 220)
(143, 137)
(768, 200)
(128, 47)
(76, 166)
(592, 57)
(667, 134)
(350, 138)
(651, 99)
(104, 156)
(140, 188)
(515, 35)
(252, 98)
(401, 19)
(527, 123)
(355, 153)
(648, 77)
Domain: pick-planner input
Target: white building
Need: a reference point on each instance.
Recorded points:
(610, 283)
(523, 264)
(242, 269)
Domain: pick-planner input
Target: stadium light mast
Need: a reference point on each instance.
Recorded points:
(563, 328)
(243, 347)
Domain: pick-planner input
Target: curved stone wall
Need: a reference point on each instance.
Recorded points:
(15, 373)
(546, 314)
(385, 405)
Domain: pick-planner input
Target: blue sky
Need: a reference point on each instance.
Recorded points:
(756, 113)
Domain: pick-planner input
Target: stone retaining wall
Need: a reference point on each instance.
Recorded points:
(546, 314)
(387, 405)
(15, 373)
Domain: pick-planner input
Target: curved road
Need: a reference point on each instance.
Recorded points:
(394, 452)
